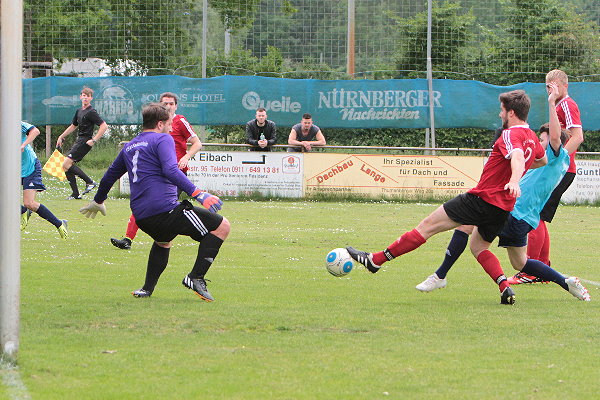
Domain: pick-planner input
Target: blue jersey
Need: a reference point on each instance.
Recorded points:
(154, 177)
(537, 186)
(28, 156)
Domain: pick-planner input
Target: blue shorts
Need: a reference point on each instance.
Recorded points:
(514, 233)
(34, 180)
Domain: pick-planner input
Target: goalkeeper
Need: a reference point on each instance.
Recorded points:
(150, 161)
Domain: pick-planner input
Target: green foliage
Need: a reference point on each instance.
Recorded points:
(234, 15)
(454, 31)
(564, 39)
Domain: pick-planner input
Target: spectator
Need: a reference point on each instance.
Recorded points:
(306, 134)
(261, 133)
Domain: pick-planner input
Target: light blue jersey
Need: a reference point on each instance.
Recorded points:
(537, 186)
(28, 157)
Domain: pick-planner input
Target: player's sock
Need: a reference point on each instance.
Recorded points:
(457, 245)
(132, 228)
(406, 243)
(544, 272)
(48, 216)
(79, 172)
(72, 182)
(207, 251)
(545, 252)
(157, 262)
(491, 265)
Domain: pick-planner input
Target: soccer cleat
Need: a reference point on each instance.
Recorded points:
(141, 293)
(364, 258)
(89, 188)
(577, 289)
(25, 219)
(198, 286)
(522, 277)
(124, 243)
(431, 283)
(507, 296)
(73, 197)
(62, 229)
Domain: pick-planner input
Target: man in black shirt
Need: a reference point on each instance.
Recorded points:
(85, 118)
(260, 132)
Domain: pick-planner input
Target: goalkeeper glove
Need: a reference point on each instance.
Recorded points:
(209, 201)
(92, 209)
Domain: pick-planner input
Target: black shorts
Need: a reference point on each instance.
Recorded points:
(468, 209)
(514, 233)
(185, 219)
(547, 213)
(80, 149)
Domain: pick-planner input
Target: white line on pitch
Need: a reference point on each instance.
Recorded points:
(11, 378)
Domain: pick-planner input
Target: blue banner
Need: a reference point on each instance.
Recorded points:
(232, 100)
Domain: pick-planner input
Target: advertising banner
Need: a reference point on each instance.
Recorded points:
(233, 100)
(381, 176)
(586, 186)
(240, 173)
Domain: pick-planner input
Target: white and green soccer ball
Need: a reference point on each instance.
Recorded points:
(339, 262)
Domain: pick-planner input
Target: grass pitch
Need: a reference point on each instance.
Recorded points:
(283, 328)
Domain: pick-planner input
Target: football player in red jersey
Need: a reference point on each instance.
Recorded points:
(182, 133)
(488, 204)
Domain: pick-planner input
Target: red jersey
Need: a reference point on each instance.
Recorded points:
(568, 115)
(181, 130)
(497, 171)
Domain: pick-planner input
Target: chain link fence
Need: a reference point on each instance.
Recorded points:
(496, 41)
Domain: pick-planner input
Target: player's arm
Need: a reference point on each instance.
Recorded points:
(575, 140)
(195, 147)
(101, 131)
(31, 135)
(517, 166)
(63, 135)
(112, 174)
(554, 123)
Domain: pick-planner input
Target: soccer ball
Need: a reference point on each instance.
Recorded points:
(339, 262)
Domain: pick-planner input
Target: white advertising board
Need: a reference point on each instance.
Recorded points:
(586, 186)
(238, 173)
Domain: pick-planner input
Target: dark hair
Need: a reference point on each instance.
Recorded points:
(169, 94)
(261, 109)
(564, 136)
(307, 116)
(518, 101)
(88, 91)
(152, 114)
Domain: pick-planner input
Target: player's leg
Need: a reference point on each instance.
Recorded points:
(157, 262)
(455, 248)
(207, 252)
(34, 184)
(491, 265)
(437, 221)
(535, 245)
(536, 268)
(130, 234)
(71, 178)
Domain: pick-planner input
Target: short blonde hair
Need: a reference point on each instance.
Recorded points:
(557, 75)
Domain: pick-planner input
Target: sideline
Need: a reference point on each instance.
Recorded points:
(11, 380)
(590, 282)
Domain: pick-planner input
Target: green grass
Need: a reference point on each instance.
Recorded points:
(283, 328)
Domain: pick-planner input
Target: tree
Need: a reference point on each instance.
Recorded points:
(453, 29)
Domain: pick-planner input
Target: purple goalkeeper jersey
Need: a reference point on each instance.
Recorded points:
(154, 177)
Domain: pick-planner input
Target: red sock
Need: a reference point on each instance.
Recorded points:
(407, 242)
(545, 252)
(132, 228)
(491, 265)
